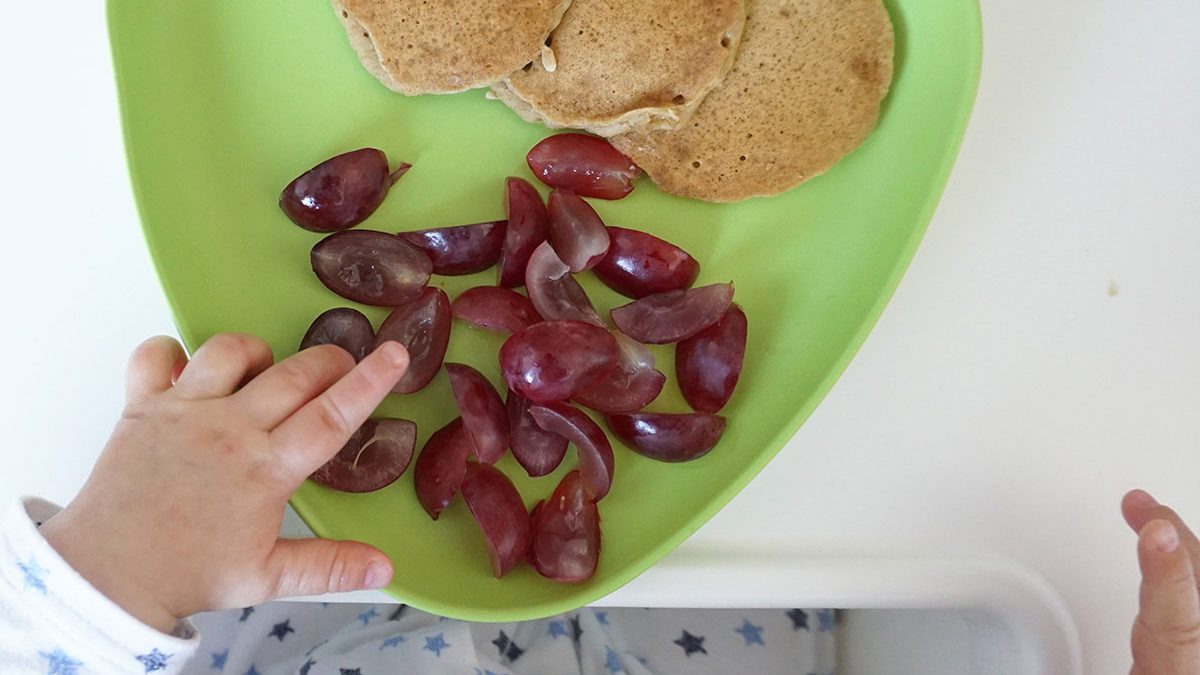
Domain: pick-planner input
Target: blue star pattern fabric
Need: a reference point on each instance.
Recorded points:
(632, 642)
(219, 659)
(691, 643)
(612, 662)
(280, 630)
(59, 662)
(556, 628)
(35, 576)
(750, 633)
(436, 644)
(366, 616)
(509, 651)
(392, 642)
(799, 619)
(153, 660)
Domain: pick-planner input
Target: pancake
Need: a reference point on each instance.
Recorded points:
(804, 91)
(621, 65)
(441, 47)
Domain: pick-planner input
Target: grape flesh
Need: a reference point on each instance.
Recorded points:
(674, 315)
(340, 192)
(344, 327)
(462, 249)
(640, 264)
(552, 360)
(709, 363)
(595, 452)
(538, 451)
(374, 268)
(483, 413)
(588, 165)
(423, 327)
(669, 437)
(374, 457)
(528, 224)
(566, 533)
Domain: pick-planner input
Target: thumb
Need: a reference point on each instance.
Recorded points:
(1166, 636)
(316, 566)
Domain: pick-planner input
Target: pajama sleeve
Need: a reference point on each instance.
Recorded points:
(53, 622)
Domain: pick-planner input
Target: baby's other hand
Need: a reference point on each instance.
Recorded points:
(1166, 633)
(181, 513)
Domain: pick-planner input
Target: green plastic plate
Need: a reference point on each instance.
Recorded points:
(225, 102)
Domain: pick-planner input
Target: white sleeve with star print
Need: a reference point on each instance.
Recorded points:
(53, 622)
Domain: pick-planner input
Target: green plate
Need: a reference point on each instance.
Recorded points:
(225, 102)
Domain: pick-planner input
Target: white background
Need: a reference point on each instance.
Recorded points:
(1041, 356)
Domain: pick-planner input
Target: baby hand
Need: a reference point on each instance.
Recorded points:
(1166, 633)
(181, 513)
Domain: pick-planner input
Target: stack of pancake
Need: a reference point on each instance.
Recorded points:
(718, 100)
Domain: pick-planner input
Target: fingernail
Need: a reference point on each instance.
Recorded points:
(1167, 539)
(394, 353)
(378, 575)
(1142, 499)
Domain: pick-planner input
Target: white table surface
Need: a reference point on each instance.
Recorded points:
(1041, 356)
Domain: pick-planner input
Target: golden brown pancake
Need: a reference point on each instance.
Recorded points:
(804, 91)
(446, 46)
(622, 65)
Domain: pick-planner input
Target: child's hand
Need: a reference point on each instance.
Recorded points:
(1166, 634)
(182, 511)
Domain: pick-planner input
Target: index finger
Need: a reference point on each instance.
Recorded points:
(320, 428)
(1139, 508)
(1166, 636)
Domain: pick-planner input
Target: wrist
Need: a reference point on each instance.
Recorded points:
(106, 570)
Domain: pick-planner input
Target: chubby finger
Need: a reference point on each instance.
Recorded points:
(283, 388)
(317, 566)
(1139, 508)
(320, 428)
(1166, 635)
(153, 367)
(221, 364)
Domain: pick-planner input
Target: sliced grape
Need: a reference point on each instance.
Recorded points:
(550, 361)
(527, 226)
(344, 327)
(595, 452)
(374, 268)
(566, 533)
(554, 292)
(340, 192)
(501, 514)
(674, 315)
(669, 437)
(538, 451)
(495, 308)
(709, 363)
(631, 386)
(441, 467)
(640, 264)
(483, 412)
(586, 164)
(463, 249)
(423, 327)
(576, 231)
(374, 457)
